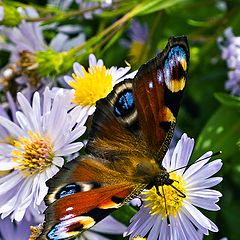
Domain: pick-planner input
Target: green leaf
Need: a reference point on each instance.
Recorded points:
(157, 5)
(124, 214)
(228, 100)
(221, 132)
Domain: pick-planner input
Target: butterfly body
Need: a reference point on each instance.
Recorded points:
(131, 132)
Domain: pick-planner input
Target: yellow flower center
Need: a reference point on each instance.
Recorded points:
(173, 200)
(93, 85)
(33, 153)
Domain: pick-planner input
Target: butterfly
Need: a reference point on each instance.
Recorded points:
(131, 132)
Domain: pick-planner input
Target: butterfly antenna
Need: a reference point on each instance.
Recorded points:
(180, 192)
(201, 159)
(165, 203)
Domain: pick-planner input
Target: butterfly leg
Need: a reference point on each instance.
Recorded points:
(165, 203)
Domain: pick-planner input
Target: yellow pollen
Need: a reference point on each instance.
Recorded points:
(33, 153)
(8, 139)
(174, 201)
(139, 238)
(92, 86)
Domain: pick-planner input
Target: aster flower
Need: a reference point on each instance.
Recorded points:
(100, 5)
(231, 54)
(44, 135)
(95, 83)
(26, 41)
(177, 217)
(138, 34)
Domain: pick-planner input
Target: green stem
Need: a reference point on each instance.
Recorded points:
(116, 25)
(62, 15)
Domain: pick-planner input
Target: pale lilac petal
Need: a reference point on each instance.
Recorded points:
(58, 161)
(69, 149)
(196, 216)
(92, 60)
(68, 79)
(77, 68)
(110, 225)
(12, 128)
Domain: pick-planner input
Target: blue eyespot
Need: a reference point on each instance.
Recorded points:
(124, 104)
(68, 190)
(175, 56)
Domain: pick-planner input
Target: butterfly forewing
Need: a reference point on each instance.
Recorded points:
(158, 88)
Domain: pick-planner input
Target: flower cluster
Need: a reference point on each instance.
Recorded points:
(47, 94)
(231, 54)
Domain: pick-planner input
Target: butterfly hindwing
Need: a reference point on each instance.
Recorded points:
(81, 195)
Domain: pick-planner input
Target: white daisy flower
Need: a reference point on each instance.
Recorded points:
(45, 135)
(173, 214)
(95, 83)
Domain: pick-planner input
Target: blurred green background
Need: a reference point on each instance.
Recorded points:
(208, 113)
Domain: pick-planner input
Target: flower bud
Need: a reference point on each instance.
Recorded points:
(9, 16)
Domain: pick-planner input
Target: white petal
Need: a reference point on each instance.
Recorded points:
(28, 111)
(47, 101)
(43, 189)
(196, 166)
(58, 161)
(7, 165)
(182, 153)
(208, 204)
(196, 216)
(23, 122)
(69, 149)
(36, 106)
(187, 226)
(92, 60)
(154, 232)
(119, 72)
(58, 42)
(68, 79)
(208, 183)
(206, 171)
(77, 68)
(110, 225)
(12, 128)
(10, 181)
(89, 235)
(76, 133)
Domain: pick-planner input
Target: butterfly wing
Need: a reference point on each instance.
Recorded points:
(139, 115)
(84, 192)
(129, 127)
(158, 88)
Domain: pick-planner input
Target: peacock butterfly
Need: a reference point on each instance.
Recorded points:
(131, 132)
